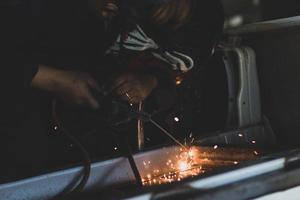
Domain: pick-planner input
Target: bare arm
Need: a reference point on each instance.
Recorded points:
(73, 87)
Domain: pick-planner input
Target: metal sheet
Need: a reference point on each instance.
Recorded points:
(112, 172)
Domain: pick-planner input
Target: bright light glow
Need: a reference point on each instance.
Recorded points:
(178, 82)
(189, 162)
(183, 166)
(176, 119)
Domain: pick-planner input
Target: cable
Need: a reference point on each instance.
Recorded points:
(85, 155)
(133, 166)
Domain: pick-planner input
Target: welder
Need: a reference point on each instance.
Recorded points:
(69, 49)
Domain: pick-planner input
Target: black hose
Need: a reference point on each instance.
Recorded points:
(86, 158)
(132, 163)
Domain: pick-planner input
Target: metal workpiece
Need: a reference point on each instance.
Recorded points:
(204, 187)
(244, 183)
(249, 95)
(112, 173)
(140, 129)
(117, 172)
(244, 91)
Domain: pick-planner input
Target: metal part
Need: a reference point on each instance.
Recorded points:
(243, 183)
(147, 117)
(219, 180)
(248, 91)
(230, 122)
(272, 25)
(104, 174)
(140, 129)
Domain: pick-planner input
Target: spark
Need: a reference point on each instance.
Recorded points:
(56, 128)
(183, 166)
(178, 82)
(116, 148)
(253, 142)
(186, 163)
(256, 153)
(240, 135)
(176, 119)
(191, 153)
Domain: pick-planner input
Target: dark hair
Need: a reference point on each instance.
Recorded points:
(173, 14)
(199, 25)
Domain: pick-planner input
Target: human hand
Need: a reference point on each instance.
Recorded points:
(134, 87)
(73, 87)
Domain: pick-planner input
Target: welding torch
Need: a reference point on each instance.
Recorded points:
(146, 117)
(130, 113)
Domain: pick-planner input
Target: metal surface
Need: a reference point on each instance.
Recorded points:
(248, 137)
(243, 66)
(291, 194)
(219, 180)
(48, 185)
(271, 25)
(103, 174)
(249, 188)
(249, 107)
(239, 174)
(140, 129)
(231, 82)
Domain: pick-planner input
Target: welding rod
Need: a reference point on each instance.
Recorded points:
(140, 129)
(166, 132)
